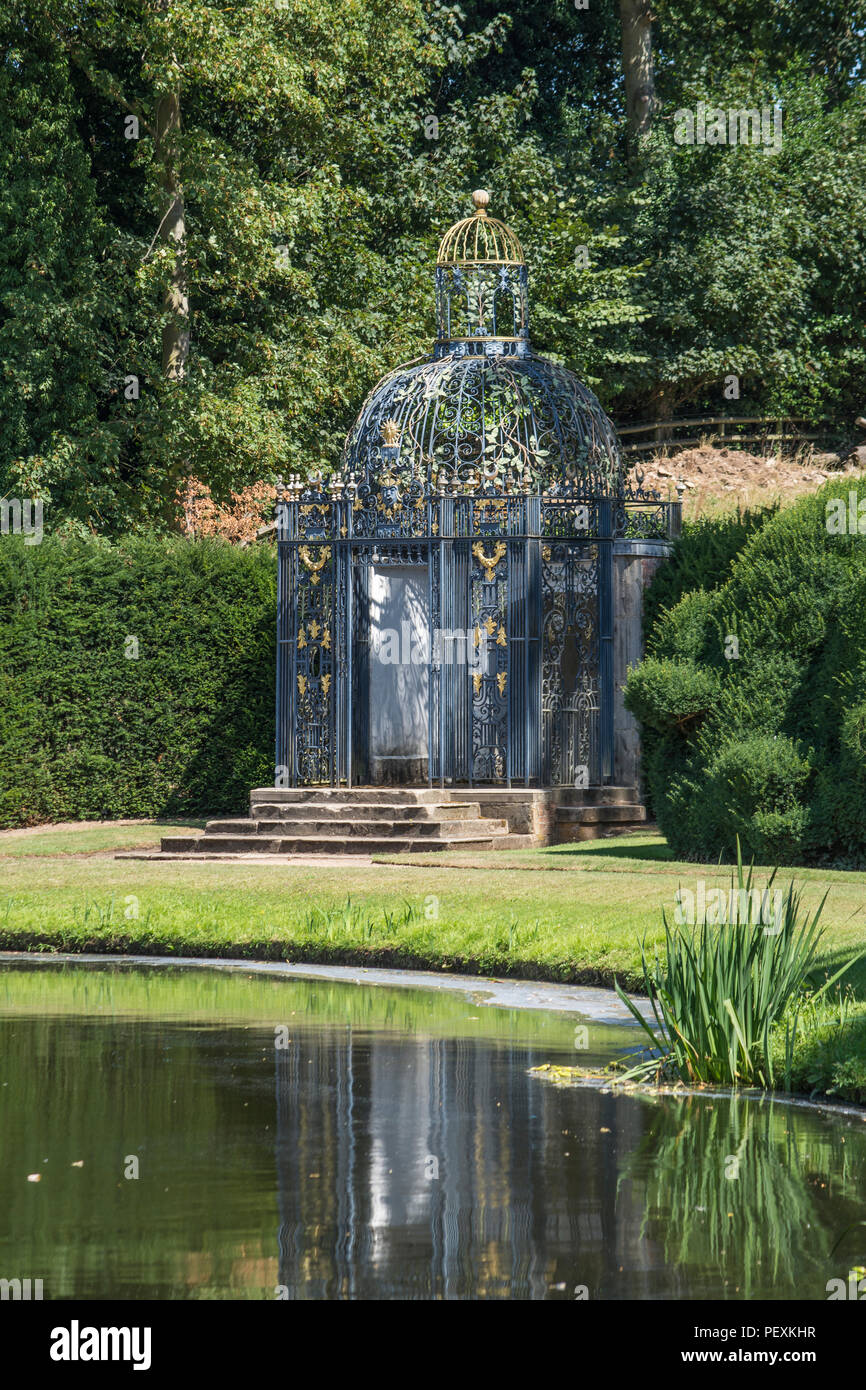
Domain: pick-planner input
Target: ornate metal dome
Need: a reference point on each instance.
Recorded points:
(480, 240)
(484, 411)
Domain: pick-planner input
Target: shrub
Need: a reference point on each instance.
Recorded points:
(764, 737)
(671, 695)
(758, 783)
(682, 631)
(702, 558)
(96, 725)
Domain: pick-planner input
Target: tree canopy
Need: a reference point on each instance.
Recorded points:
(219, 222)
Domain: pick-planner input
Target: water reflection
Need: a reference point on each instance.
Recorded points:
(394, 1147)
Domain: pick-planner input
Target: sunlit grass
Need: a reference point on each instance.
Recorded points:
(574, 913)
(87, 839)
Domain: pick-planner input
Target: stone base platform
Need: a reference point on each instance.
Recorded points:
(313, 821)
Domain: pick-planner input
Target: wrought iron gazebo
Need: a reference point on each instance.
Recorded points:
(446, 599)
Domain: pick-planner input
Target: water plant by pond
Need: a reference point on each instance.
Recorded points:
(721, 993)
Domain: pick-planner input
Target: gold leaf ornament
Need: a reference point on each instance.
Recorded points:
(489, 563)
(314, 566)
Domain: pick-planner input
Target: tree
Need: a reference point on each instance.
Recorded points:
(758, 262)
(241, 228)
(637, 65)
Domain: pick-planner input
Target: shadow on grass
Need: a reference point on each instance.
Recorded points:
(198, 823)
(853, 979)
(611, 849)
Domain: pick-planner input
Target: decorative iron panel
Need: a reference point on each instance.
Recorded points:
(314, 664)
(571, 652)
(489, 614)
(524, 580)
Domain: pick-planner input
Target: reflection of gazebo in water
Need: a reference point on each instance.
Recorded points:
(458, 604)
(433, 1167)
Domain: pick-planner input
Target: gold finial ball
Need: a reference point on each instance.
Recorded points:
(481, 198)
(390, 432)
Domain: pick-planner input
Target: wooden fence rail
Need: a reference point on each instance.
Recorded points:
(663, 431)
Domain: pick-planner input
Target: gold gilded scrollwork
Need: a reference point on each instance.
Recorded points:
(314, 565)
(489, 563)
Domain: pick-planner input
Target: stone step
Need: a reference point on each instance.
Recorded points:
(377, 796)
(595, 796)
(363, 810)
(311, 826)
(574, 824)
(599, 815)
(323, 844)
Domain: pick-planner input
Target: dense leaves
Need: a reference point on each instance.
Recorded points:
(292, 165)
(135, 680)
(753, 696)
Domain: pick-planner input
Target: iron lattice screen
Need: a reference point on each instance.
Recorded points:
(526, 582)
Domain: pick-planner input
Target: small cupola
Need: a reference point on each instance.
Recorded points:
(482, 288)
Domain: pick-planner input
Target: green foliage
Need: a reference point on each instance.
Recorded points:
(91, 730)
(323, 147)
(756, 784)
(702, 559)
(313, 200)
(720, 992)
(758, 255)
(778, 755)
(671, 695)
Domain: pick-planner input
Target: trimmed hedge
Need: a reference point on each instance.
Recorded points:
(702, 557)
(136, 679)
(752, 696)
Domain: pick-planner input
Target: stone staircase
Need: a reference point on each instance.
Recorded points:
(409, 820)
(363, 820)
(593, 813)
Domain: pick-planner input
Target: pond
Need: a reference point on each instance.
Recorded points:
(205, 1134)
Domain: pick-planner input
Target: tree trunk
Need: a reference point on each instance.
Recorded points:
(663, 402)
(175, 334)
(637, 64)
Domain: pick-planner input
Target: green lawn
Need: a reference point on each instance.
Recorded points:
(571, 913)
(87, 839)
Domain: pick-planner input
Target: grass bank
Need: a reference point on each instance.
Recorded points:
(572, 913)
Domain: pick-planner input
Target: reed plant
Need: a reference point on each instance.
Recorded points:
(721, 991)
